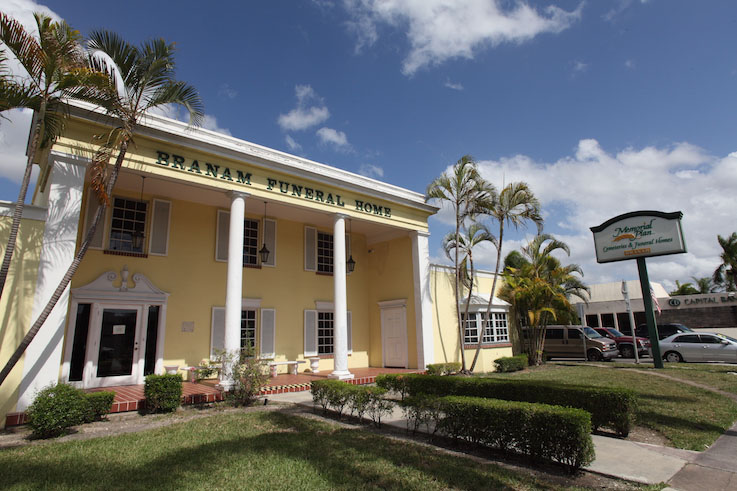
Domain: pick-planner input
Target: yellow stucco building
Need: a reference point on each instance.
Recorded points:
(212, 243)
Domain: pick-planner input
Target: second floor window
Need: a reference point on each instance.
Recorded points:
(250, 242)
(128, 225)
(324, 252)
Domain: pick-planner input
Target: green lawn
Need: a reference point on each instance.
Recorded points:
(690, 417)
(257, 450)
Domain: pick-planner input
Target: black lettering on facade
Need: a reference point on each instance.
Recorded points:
(226, 174)
(308, 193)
(329, 199)
(212, 170)
(244, 178)
(359, 205)
(271, 183)
(178, 162)
(339, 201)
(284, 187)
(296, 190)
(163, 158)
(387, 212)
(195, 167)
(319, 196)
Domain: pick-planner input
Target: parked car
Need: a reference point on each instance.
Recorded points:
(577, 342)
(664, 330)
(624, 343)
(703, 346)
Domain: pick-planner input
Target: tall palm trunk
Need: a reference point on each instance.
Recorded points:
(491, 297)
(21, 202)
(70, 272)
(457, 298)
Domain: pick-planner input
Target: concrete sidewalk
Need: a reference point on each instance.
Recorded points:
(714, 469)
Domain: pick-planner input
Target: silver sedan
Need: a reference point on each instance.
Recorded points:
(699, 347)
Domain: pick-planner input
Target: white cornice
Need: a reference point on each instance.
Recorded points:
(30, 212)
(166, 129)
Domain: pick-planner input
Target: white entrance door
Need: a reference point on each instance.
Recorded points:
(394, 336)
(115, 352)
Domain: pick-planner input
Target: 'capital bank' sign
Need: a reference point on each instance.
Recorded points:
(639, 234)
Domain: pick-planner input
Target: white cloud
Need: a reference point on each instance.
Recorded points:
(292, 144)
(13, 138)
(592, 185)
(439, 30)
(621, 6)
(371, 170)
(310, 111)
(333, 137)
(211, 123)
(227, 92)
(453, 85)
(579, 67)
(629, 64)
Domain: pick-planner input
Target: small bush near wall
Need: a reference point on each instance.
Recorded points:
(163, 392)
(511, 363)
(98, 405)
(359, 399)
(249, 376)
(55, 409)
(443, 368)
(540, 431)
(609, 407)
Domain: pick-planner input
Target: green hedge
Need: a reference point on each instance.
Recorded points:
(443, 368)
(55, 409)
(358, 399)
(541, 431)
(163, 392)
(98, 405)
(609, 407)
(511, 363)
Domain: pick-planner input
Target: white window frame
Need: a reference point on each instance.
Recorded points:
(108, 238)
(491, 333)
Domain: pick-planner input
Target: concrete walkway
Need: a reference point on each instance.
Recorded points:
(715, 469)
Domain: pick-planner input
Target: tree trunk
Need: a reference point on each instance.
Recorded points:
(457, 297)
(21, 202)
(69, 274)
(491, 297)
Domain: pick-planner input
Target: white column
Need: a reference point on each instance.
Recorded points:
(42, 358)
(423, 300)
(234, 281)
(340, 314)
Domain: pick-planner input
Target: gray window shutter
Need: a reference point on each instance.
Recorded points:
(159, 243)
(310, 249)
(310, 333)
(350, 333)
(217, 332)
(92, 206)
(223, 233)
(268, 332)
(270, 240)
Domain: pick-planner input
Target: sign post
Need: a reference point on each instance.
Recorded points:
(628, 306)
(638, 235)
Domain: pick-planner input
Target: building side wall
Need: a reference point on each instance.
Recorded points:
(445, 322)
(17, 301)
(390, 278)
(196, 283)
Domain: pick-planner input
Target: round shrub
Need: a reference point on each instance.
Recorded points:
(55, 409)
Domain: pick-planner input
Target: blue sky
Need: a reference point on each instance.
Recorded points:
(603, 107)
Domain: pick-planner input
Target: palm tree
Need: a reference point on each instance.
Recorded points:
(726, 274)
(55, 70)
(475, 235)
(145, 80)
(704, 285)
(684, 289)
(514, 205)
(539, 289)
(466, 191)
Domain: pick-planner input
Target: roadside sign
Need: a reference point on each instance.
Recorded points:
(639, 234)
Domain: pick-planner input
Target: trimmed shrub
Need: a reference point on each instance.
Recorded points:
(98, 405)
(249, 376)
(609, 407)
(443, 368)
(393, 383)
(540, 431)
(163, 392)
(511, 363)
(360, 399)
(55, 409)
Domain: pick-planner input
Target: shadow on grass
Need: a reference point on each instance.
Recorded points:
(678, 422)
(291, 452)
